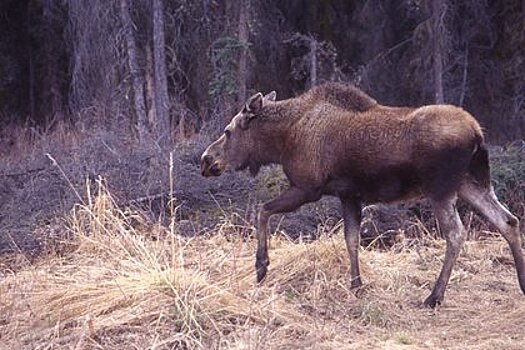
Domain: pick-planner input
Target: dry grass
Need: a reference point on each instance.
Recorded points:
(122, 282)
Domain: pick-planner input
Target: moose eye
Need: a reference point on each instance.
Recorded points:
(227, 133)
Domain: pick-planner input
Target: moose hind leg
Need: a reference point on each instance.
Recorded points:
(484, 200)
(452, 228)
(352, 223)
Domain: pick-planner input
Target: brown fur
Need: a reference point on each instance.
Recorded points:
(336, 140)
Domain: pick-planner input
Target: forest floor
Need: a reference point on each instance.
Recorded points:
(105, 247)
(120, 282)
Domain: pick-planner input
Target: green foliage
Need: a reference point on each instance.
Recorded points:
(404, 339)
(272, 182)
(508, 176)
(223, 55)
(371, 314)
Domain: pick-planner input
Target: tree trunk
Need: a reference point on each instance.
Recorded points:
(523, 15)
(150, 86)
(244, 17)
(31, 85)
(161, 85)
(438, 13)
(313, 61)
(464, 80)
(52, 65)
(134, 69)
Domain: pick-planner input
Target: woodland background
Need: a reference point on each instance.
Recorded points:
(111, 239)
(144, 65)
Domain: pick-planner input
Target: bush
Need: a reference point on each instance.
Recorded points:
(508, 176)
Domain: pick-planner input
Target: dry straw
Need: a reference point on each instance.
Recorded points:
(131, 284)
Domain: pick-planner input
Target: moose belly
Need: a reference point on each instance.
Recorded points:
(389, 185)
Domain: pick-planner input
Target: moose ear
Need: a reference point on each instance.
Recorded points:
(271, 96)
(254, 103)
(244, 121)
(253, 106)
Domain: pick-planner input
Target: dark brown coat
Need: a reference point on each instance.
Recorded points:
(336, 140)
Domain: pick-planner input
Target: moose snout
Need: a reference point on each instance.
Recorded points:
(209, 167)
(207, 159)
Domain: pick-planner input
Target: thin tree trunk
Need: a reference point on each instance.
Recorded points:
(150, 86)
(31, 85)
(136, 75)
(161, 85)
(313, 62)
(523, 15)
(52, 101)
(438, 12)
(244, 17)
(464, 80)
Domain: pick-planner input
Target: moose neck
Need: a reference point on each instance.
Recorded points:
(272, 132)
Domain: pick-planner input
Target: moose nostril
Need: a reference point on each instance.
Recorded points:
(207, 159)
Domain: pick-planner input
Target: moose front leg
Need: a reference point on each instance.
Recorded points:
(288, 201)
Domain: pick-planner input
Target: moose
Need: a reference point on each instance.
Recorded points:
(336, 140)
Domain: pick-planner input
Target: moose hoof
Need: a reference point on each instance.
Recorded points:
(522, 282)
(356, 283)
(261, 267)
(261, 274)
(432, 301)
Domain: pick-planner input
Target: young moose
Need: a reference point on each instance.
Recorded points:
(335, 140)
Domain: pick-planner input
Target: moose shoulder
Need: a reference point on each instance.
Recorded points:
(336, 140)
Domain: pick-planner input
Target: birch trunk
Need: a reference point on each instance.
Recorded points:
(438, 12)
(161, 85)
(136, 74)
(243, 58)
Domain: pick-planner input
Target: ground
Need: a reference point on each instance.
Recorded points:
(105, 247)
(124, 283)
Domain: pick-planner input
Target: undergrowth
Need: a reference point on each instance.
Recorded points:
(115, 276)
(508, 177)
(127, 282)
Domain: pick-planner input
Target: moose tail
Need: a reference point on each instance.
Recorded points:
(479, 167)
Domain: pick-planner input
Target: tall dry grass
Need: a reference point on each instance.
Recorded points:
(123, 282)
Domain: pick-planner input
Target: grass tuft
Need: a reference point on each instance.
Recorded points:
(125, 282)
